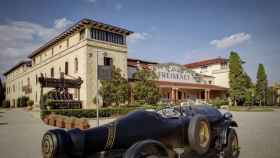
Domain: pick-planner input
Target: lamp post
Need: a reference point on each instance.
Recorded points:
(97, 89)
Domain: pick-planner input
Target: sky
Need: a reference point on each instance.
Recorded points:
(180, 31)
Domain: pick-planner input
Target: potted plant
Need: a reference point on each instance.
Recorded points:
(30, 104)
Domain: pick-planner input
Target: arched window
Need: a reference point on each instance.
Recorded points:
(66, 68)
(52, 72)
(76, 65)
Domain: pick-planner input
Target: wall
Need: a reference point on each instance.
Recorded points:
(215, 70)
(117, 52)
(67, 50)
(44, 62)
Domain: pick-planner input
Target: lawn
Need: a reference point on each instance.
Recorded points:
(251, 108)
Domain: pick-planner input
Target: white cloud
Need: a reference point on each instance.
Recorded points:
(118, 7)
(62, 23)
(231, 40)
(138, 37)
(19, 38)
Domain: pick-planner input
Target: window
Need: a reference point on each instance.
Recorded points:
(14, 88)
(52, 72)
(76, 65)
(107, 36)
(34, 60)
(224, 66)
(52, 52)
(82, 34)
(203, 69)
(67, 43)
(28, 81)
(209, 82)
(108, 61)
(66, 68)
(36, 79)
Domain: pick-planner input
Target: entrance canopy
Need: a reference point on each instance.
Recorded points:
(167, 84)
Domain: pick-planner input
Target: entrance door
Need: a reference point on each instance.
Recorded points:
(179, 95)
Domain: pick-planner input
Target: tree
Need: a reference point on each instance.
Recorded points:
(238, 79)
(250, 90)
(114, 91)
(145, 88)
(2, 93)
(261, 86)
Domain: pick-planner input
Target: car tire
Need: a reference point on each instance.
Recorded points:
(147, 149)
(232, 148)
(199, 142)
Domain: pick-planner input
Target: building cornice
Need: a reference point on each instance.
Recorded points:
(77, 27)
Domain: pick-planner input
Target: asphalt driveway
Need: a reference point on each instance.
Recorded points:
(21, 133)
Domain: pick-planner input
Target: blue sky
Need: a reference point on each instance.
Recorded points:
(180, 31)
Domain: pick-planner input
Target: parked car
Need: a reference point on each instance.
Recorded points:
(171, 132)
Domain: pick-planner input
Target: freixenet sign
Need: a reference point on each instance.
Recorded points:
(176, 73)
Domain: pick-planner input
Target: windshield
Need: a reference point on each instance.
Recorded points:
(169, 112)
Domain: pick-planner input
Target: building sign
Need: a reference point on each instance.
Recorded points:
(176, 73)
(104, 72)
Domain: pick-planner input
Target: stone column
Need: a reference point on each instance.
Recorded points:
(87, 33)
(173, 95)
(177, 94)
(207, 94)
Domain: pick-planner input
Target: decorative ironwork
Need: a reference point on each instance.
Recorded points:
(60, 83)
(59, 97)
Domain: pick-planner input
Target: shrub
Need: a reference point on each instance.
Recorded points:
(219, 102)
(30, 103)
(89, 113)
(22, 101)
(6, 104)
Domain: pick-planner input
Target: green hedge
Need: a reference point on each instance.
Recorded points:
(6, 104)
(88, 113)
(219, 102)
(22, 101)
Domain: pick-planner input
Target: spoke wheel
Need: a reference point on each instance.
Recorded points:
(199, 134)
(232, 149)
(204, 134)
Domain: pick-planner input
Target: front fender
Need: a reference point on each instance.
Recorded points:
(233, 124)
(225, 130)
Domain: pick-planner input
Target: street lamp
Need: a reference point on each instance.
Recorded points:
(97, 88)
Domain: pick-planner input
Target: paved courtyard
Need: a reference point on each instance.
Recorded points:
(21, 133)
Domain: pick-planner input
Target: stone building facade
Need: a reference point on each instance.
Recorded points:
(73, 52)
(217, 68)
(78, 51)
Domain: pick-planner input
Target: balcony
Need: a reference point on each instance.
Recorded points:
(220, 71)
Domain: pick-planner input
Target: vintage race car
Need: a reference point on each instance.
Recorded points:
(171, 132)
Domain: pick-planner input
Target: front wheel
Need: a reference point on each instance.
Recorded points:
(199, 134)
(232, 149)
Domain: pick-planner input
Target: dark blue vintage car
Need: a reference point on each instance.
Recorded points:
(171, 132)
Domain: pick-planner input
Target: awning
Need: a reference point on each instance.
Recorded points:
(168, 84)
